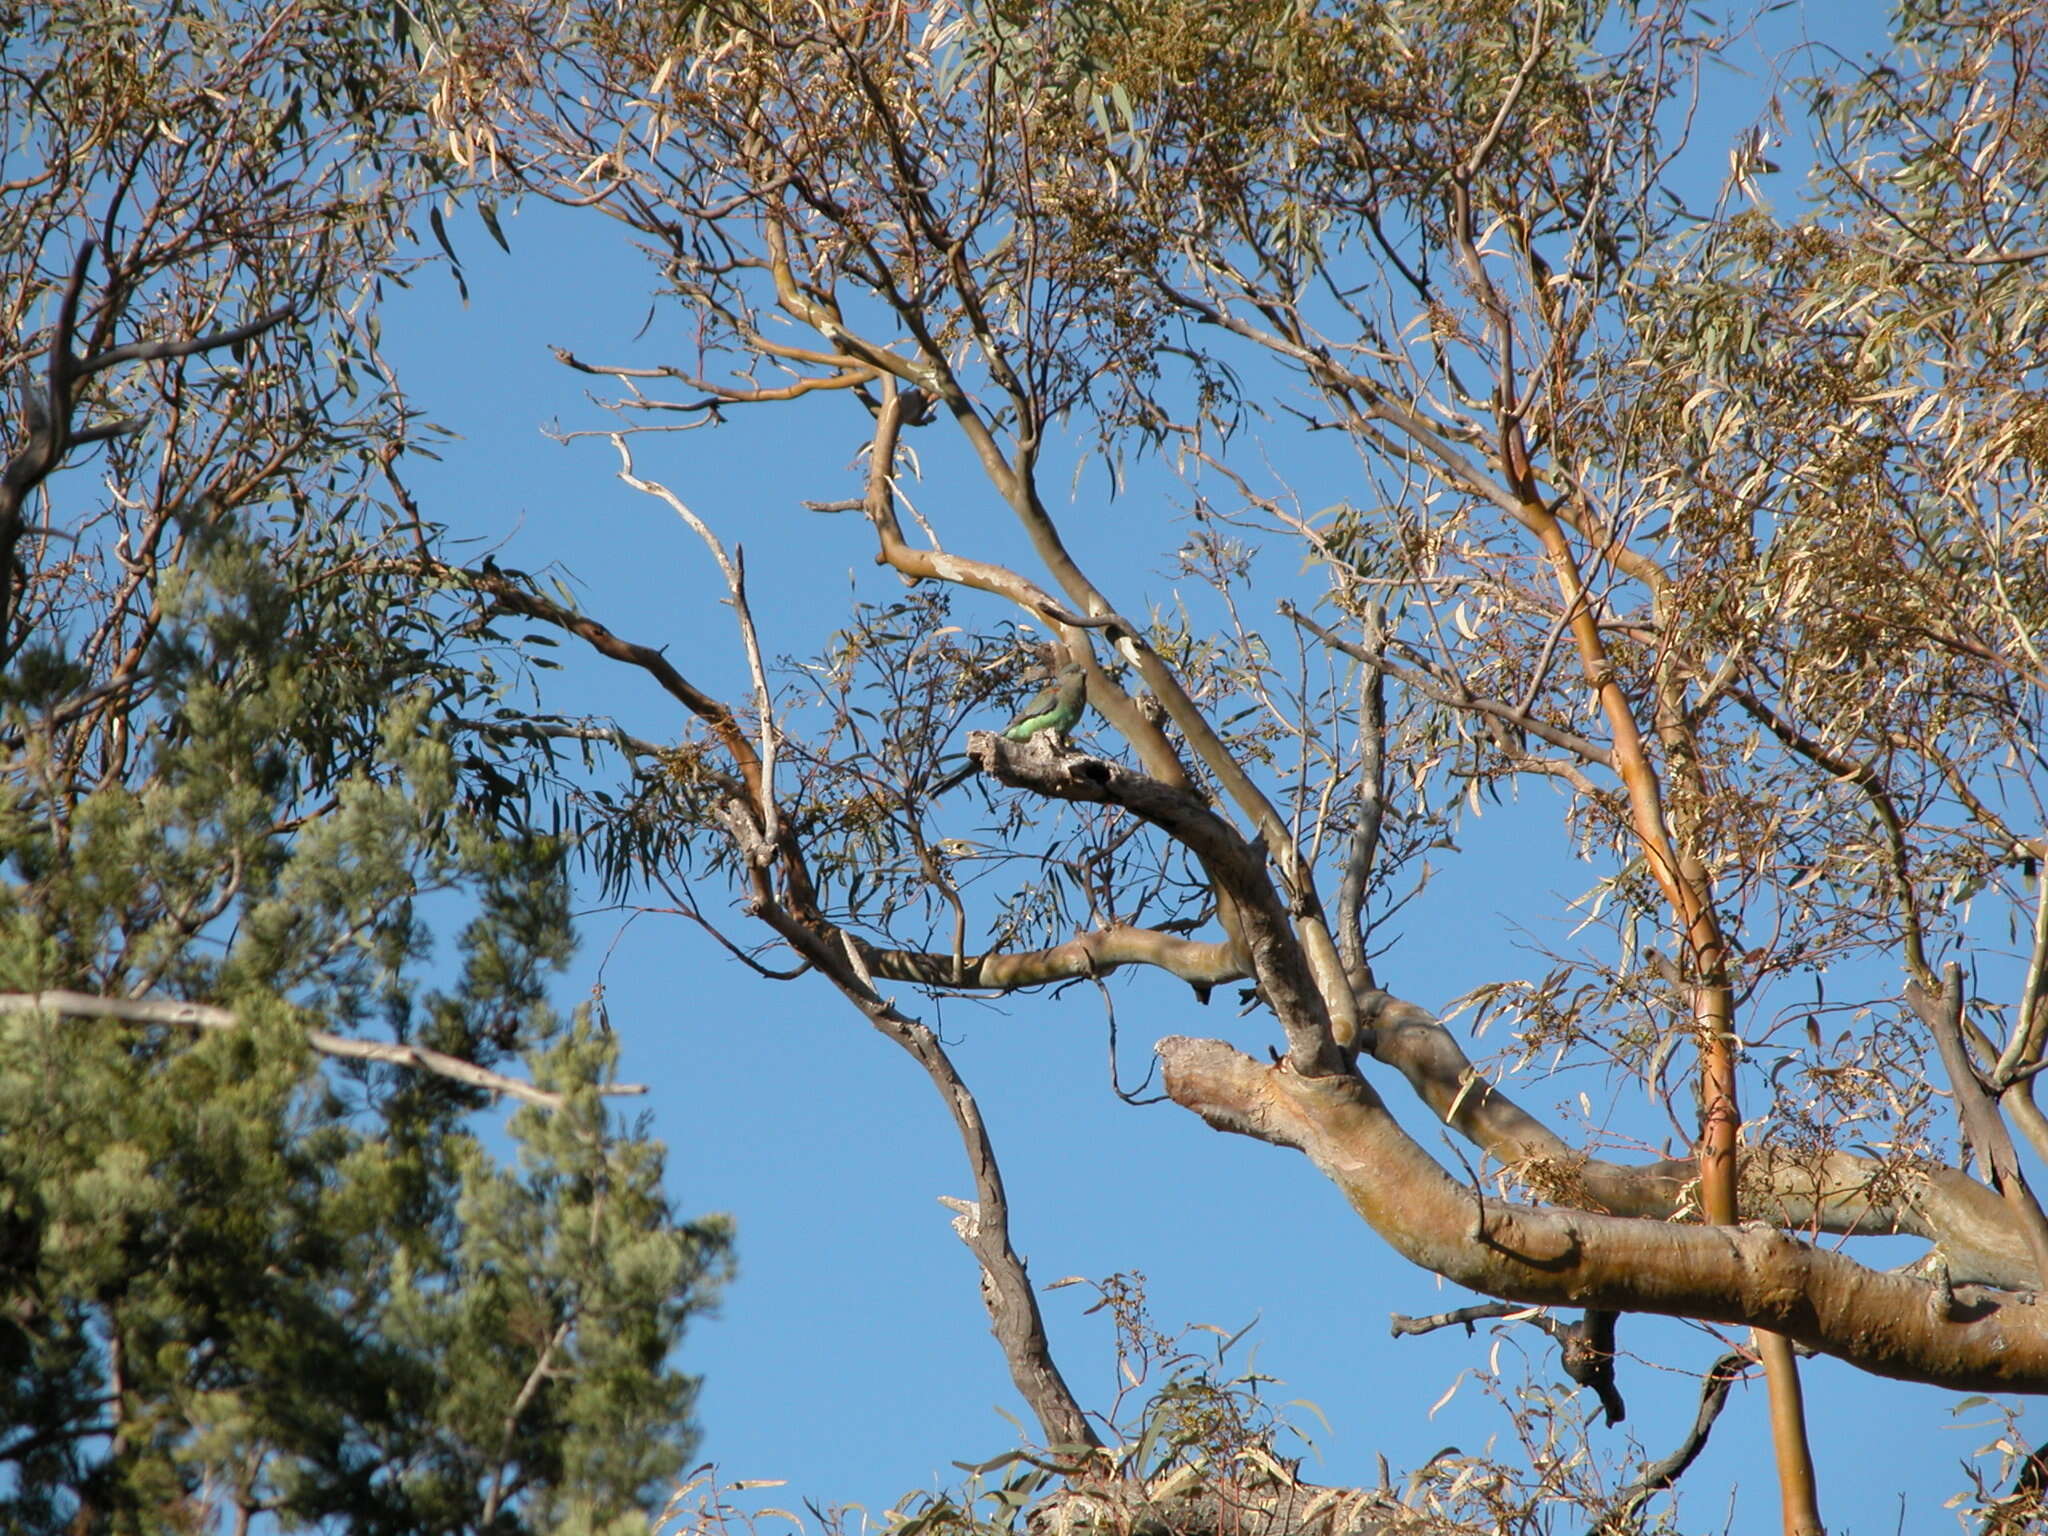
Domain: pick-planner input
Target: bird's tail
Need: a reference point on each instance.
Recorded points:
(957, 777)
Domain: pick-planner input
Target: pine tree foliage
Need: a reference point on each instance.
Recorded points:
(248, 1275)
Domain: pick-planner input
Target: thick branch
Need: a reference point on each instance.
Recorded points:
(1832, 1192)
(1888, 1324)
(1977, 1106)
(1327, 1011)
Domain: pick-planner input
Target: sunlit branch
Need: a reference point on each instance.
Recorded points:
(733, 568)
(1372, 809)
(1882, 1322)
(1403, 1326)
(1977, 1106)
(1835, 1193)
(1095, 953)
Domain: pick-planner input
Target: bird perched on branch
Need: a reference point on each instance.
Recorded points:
(1057, 707)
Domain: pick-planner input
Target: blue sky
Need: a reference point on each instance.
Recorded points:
(852, 1356)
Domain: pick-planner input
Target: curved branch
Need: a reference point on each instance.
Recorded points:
(1850, 770)
(511, 595)
(1887, 1324)
(1665, 1471)
(1977, 1106)
(984, 1223)
(900, 408)
(1234, 865)
(1834, 1193)
(1372, 807)
(1330, 1001)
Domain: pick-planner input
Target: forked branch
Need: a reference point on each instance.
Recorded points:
(1887, 1323)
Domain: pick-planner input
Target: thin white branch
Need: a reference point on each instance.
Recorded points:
(85, 1005)
(734, 570)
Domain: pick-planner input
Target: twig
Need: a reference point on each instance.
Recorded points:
(1401, 1325)
(1570, 741)
(1660, 1475)
(1586, 1348)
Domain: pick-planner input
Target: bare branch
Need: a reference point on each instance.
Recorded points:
(1095, 953)
(157, 351)
(1403, 1326)
(733, 568)
(1006, 1288)
(84, 1005)
(1665, 1471)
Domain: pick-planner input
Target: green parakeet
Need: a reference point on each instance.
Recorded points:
(1055, 707)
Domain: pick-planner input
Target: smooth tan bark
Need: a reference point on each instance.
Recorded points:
(1832, 1192)
(1753, 1275)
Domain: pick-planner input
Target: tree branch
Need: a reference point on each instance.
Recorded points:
(1836, 1192)
(1096, 953)
(1006, 1289)
(84, 1005)
(1661, 1474)
(1977, 1107)
(1886, 1323)
(1234, 865)
(1508, 714)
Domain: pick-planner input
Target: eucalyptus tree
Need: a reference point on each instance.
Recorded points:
(258, 1262)
(1717, 521)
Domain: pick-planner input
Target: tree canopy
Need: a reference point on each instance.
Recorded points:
(261, 1260)
(1499, 461)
